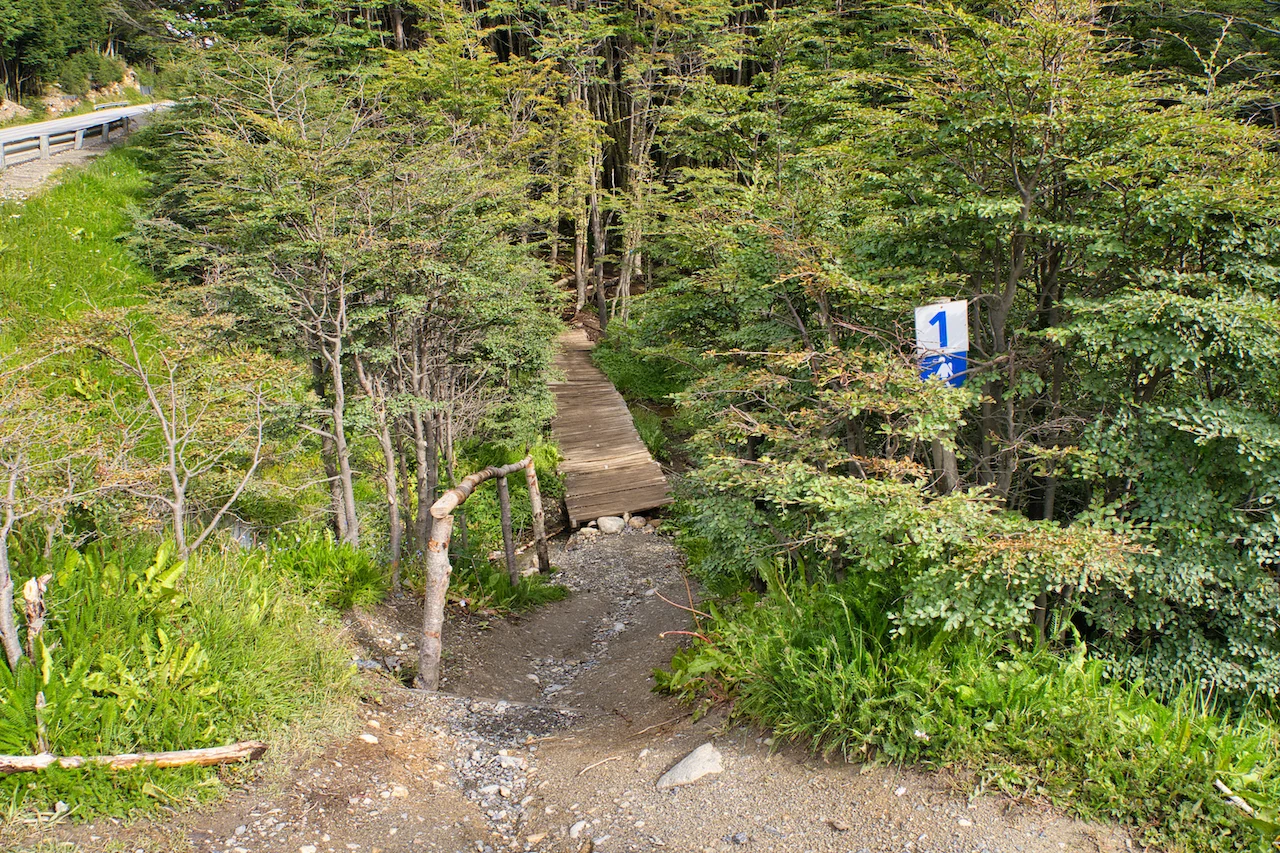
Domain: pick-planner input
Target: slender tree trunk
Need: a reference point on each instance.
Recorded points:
(341, 448)
(402, 474)
(539, 518)
(397, 25)
(600, 248)
(508, 535)
(375, 391)
(8, 625)
(424, 443)
(580, 255)
(329, 455)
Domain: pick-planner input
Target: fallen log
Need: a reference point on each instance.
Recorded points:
(249, 750)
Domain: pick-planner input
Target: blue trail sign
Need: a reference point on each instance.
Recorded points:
(942, 341)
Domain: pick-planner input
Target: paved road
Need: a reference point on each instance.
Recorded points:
(73, 123)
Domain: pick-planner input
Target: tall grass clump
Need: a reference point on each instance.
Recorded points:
(649, 426)
(336, 574)
(145, 653)
(808, 662)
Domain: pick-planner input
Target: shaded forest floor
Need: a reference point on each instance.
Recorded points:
(549, 738)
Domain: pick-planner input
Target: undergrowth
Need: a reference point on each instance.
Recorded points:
(649, 426)
(145, 653)
(808, 662)
(479, 585)
(333, 573)
(637, 372)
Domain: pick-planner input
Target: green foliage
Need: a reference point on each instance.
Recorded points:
(638, 373)
(479, 585)
(819, 663)
(484, 516)
(336, 574)
(89, 70)
(143, 653)
(649, 425)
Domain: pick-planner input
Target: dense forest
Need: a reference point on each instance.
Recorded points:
(344, 256)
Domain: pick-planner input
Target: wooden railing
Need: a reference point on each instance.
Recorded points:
(439, 568)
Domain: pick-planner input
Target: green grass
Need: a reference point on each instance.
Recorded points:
(333, 573)
(649, 425)
(142, 653)
(61, 251)
(810, 665)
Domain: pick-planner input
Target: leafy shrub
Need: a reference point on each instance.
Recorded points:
(142, 653)
(336, 574)
(822, 667)
(88, 70)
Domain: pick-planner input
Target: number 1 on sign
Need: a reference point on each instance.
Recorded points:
(940, 320)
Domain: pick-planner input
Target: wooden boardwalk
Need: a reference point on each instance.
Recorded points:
(607, 468)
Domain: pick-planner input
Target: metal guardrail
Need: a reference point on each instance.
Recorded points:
(46, 141)
(44, 136)
(97, 107)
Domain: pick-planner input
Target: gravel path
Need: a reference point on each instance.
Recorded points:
(560, 743)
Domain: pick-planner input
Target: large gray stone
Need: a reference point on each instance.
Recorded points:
(703, 761)
(611, 524)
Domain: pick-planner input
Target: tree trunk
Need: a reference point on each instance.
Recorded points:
(424, 443)
(599, 238)
(341, 448)
(945, 470)
(8, 625)
(508, 538)
(375, 390)
(580, 256)
(397, 25)
(539, 518)
(438, 571)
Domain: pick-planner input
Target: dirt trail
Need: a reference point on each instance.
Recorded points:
(560, 749)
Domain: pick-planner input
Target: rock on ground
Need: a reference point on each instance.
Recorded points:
(703, 761)
(611, 524)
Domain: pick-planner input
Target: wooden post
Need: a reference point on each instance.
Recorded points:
(438, 569)
(2, 163)
(106, 132)
(44, 147)
(539, 518)
(504, 506)
(79, 139)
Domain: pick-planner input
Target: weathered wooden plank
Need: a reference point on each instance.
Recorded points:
(608, 470)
